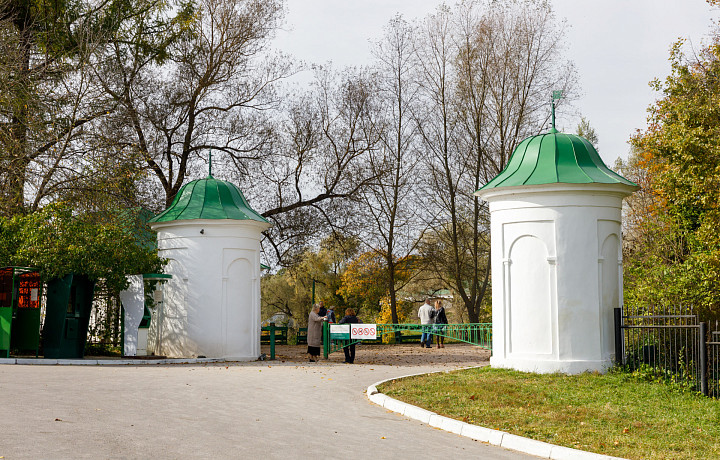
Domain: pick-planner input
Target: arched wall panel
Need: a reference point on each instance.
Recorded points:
(610, 261)
(530, 309)
(239, 309)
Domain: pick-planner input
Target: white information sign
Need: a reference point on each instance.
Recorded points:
(363, 331)
(340, 331)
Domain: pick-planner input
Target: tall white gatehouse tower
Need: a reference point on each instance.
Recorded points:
(555, 215)
(211, 306)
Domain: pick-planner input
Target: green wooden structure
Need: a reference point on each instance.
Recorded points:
(302, 336)
(279, 333)
(69, 302)
(20, 298)
(273, 334)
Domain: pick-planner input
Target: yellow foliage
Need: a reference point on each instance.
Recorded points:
(384, 316)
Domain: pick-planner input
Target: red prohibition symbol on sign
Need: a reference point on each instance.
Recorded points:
(363, 330)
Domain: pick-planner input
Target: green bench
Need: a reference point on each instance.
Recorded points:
(302, 336)
(409, 336)
(281, 335)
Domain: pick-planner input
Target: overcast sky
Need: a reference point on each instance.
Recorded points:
(618, 47)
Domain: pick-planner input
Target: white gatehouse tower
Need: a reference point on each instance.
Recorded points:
(211, 306)
(555, 215)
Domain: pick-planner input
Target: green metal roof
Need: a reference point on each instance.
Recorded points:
(156, 277)
(209, 198)
(555, 158)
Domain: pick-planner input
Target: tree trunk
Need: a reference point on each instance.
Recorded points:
(18, 160)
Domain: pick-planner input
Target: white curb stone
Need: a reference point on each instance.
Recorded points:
(447, 424)
(378, 398)
(418, 413)
(566, 453)
(7, 360)
(482, 434)
(77, 362)
(110, 362)
(36, 361)
(394, 405)
(529, 446)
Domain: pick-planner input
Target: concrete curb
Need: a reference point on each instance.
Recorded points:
(110, 362)
(478, 433)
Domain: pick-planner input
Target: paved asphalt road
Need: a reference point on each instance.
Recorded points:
(269, 410)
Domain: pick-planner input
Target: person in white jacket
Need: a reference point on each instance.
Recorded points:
(425, 313)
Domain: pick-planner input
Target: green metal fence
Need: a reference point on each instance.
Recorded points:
(479, 334)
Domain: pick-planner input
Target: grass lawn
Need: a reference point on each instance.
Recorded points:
(614, 414)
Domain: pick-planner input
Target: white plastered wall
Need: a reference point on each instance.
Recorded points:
(557, 275)
(133, 302)
(211, 306)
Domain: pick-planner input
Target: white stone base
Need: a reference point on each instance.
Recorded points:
(551, 367)
(240, 358)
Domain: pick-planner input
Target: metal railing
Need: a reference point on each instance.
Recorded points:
(713, 363)
(479, 334)
(671, 342)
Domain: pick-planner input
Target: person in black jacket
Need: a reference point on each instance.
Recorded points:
(349, 350)
(440, 322)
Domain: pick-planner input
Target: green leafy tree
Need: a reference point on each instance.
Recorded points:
(585, 129)
(363, 284)
(59, 242)
(673, 254)
(289, 290)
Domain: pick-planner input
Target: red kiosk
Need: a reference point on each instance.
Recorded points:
(20, 300)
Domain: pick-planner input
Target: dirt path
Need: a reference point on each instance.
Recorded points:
(453, 355)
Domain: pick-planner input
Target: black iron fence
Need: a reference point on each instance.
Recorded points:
(672, 343)
(713, 363)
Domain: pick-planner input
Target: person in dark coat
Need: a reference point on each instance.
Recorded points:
(323, 310)
(440, 323)
(349, 350)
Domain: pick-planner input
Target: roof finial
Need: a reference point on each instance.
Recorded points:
(555, 96)
(210, 165)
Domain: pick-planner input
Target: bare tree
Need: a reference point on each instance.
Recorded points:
(490, 69)
(393, 227)
(309, 185)
(193, 84)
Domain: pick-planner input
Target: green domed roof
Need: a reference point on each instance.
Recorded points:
(555, 158)
(209, 198)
